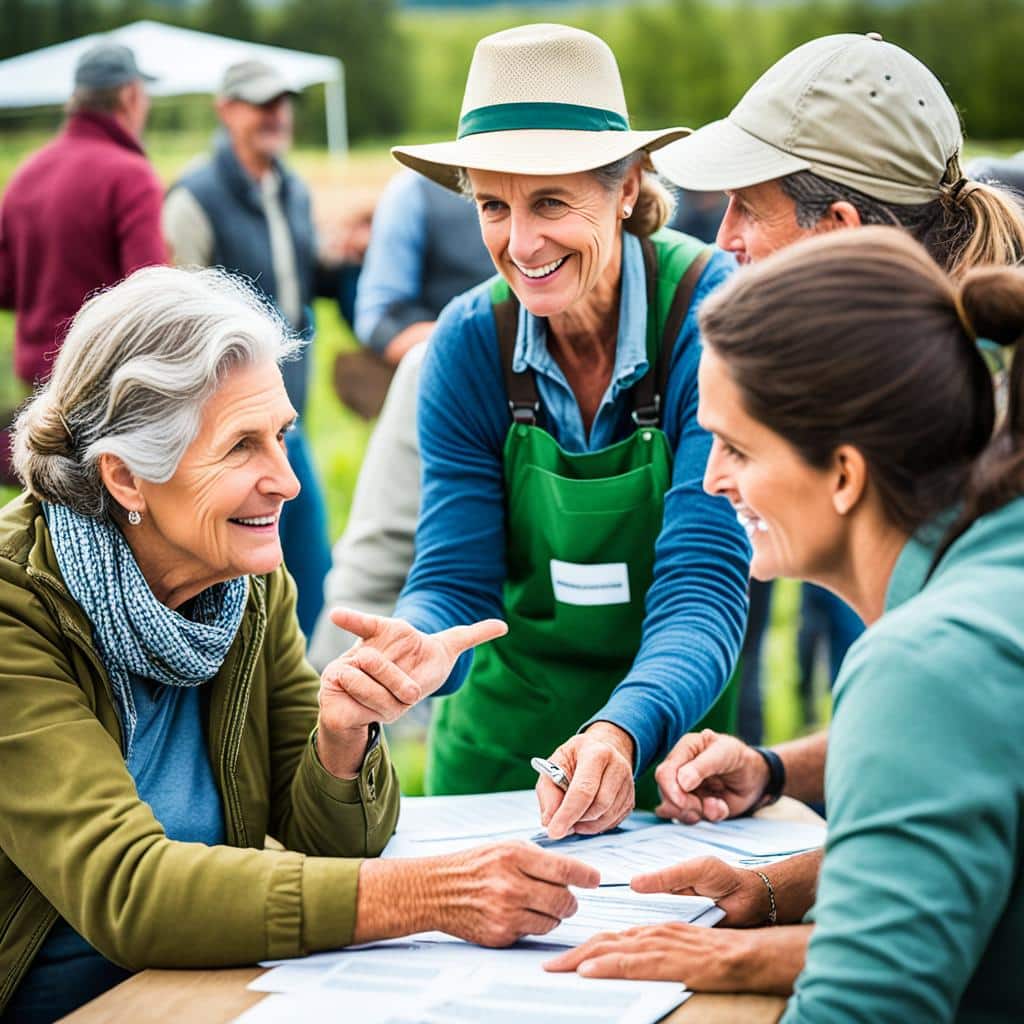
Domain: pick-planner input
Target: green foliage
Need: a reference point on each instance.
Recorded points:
(689, 61)
(683, 61)
(364, 34)
(234, 18)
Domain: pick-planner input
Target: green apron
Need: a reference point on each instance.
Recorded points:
(580, 534)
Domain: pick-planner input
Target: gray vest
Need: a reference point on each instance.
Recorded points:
(241, 240)
(455, 258)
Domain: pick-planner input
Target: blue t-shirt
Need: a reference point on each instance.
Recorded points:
(696, 605)
(171, 768)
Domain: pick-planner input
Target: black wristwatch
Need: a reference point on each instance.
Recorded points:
(776, 777)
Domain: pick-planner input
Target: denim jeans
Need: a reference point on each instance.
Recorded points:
(304, 539)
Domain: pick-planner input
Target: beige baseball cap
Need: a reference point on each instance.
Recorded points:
(539, 99)
(851, 108)
(254, 81)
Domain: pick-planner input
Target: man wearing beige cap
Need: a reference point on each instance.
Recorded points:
(845, 130)
(244, 210)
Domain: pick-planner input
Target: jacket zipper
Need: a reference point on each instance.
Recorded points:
(237, 703)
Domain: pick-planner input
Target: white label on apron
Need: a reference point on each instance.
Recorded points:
(590, 584)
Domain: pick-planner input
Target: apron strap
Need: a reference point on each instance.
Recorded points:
(648, 413)
(646, 394)
(521, 388)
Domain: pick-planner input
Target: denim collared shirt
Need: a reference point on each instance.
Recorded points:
(532, 352)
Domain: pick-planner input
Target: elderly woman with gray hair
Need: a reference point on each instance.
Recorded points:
(158, 719)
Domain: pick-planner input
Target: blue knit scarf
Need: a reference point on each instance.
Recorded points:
(137, 636)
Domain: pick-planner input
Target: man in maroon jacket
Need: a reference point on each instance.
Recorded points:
(81, 213)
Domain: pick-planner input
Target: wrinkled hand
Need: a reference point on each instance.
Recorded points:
(601, 792)
(711, 776)
(703, 959)
(741, 894)
(496, 894)
(390, 668)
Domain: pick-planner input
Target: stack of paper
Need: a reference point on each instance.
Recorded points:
(444, 982)
(436, 825)
(434, 979)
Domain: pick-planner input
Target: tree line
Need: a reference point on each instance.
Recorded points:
(683, 61)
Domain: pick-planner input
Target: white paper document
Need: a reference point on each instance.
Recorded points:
(401, 982)
(436, 979)
(758, 837)
(480, 817)
(436, 825)
(613, 909)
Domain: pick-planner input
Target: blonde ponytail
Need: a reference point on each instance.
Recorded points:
(985, 224)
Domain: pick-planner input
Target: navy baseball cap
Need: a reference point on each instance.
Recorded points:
(107, 65)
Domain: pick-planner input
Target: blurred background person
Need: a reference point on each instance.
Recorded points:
(79, 214)
(243, 209)
(1006, 171)
(425, 248)
(828, 628)
(698, 213)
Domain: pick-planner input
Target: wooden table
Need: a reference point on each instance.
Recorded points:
(215, 997)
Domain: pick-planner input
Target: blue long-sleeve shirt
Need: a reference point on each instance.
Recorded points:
(393, 266)
(696, 605)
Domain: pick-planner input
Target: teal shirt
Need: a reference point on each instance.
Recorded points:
(920, 909)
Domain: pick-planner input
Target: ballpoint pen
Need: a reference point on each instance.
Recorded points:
(557, 775)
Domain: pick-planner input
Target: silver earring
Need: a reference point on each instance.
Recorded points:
(627, 212)
(134, 516)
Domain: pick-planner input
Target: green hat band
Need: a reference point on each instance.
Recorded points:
(510, 117)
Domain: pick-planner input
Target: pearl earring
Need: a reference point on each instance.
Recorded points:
(627, 212)
(134, 516)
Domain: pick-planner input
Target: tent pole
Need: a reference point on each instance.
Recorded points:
(334, 103)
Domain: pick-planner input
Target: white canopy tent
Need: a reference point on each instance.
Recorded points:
(184, 62)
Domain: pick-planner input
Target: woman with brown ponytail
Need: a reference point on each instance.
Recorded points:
(855, 434)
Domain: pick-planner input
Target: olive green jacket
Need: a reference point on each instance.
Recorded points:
(76, 840)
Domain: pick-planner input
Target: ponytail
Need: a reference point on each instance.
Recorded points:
(992, 302)
(983, 224)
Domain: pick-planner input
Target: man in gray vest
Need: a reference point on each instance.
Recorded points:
(244, 210)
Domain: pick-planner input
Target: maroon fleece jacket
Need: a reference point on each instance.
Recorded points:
(78, 215)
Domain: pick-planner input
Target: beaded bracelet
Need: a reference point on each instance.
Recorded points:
(773, 910)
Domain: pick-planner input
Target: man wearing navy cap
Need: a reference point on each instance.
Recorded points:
(82, 212)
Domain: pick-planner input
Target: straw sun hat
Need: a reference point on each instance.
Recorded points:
(540, 99)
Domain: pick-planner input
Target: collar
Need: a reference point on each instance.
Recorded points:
(91, 124)
(631, 364)
(910, 573)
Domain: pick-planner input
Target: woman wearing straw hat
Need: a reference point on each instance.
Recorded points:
(561, 456)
